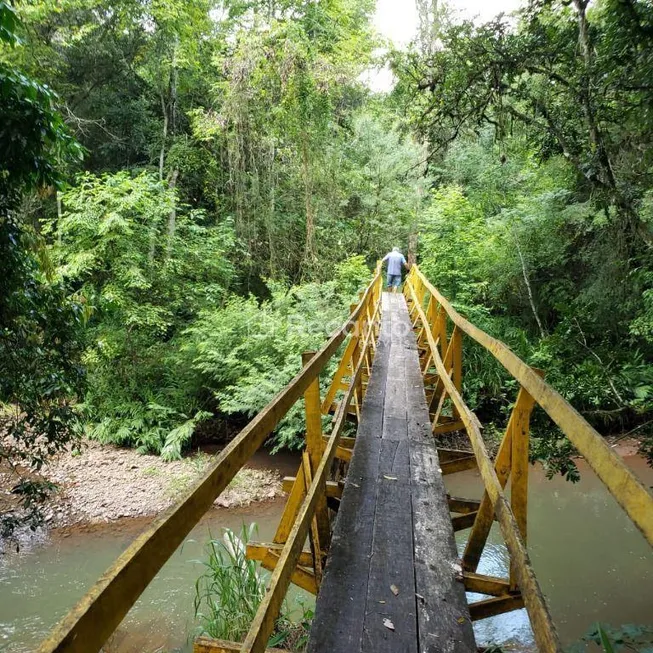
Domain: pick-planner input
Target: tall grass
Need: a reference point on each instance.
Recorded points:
(230, 590)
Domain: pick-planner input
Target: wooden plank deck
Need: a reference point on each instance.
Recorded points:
(393, 530)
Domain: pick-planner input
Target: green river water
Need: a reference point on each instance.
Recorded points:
(590, 560)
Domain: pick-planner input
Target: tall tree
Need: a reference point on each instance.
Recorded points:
(39, 325)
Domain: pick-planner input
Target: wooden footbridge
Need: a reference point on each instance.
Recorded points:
(368, 526)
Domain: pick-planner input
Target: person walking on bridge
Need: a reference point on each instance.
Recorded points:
(395, 260)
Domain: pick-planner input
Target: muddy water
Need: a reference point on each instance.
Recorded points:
(38, 586)
(591, 563)
(45, 579)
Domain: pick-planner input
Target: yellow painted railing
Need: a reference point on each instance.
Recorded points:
(440, 330)
(90, 623)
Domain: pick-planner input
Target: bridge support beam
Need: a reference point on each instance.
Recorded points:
(512, 458)
(496, 605)
(208, 645)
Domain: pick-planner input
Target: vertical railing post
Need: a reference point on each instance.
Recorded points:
(356, 337)
(315, 446)
(457, 364)
(511, 460)
(440, 330)
(519, 474)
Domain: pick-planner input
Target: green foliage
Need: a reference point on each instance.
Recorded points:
(35, 141)
(230, 590)
(241, 182)
(628, 637)
(141, 279)
(39, 325)
(245, 352)
(352, 275)
(530, 265)
(452, 238)
(383, 182)
(251, 116)
(540, 145)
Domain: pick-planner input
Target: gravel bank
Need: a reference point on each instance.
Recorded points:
(103, 483)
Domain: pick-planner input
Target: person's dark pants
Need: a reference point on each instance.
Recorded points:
(394, 280)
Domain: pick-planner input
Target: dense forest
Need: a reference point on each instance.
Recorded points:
(193, 191)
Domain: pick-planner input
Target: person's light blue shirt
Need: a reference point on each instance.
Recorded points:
(395, 261)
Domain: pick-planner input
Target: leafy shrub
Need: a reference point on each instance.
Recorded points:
(230, 590)
(245, 353)
(143, 268)
(533, 265)
(612, 639)
(352, 275)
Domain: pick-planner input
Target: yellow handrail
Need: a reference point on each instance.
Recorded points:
(544, 630)
(622, 483)
(90, 623)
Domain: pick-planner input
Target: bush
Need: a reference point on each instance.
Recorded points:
(142, 276)
(246, 353)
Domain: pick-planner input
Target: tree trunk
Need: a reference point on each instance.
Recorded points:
(412, 244)
(528, 287)
(59, 215)
(271, 211)
(162, 154)
(587, 103)
(309, 248)
(172, 216)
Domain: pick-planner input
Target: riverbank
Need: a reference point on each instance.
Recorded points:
(586, 577)
(103, 483)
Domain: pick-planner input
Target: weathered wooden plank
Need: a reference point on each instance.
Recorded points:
(443, 616)
(365, 461)
(394, 461)
(459, 465)
(462, 506)
(463, 522)
(340, 606)
(394, 428)
(397, 455)
(482, 584)
(444, 622)
(392, 564)
(419, 424)
(496, 605)
(395, 395)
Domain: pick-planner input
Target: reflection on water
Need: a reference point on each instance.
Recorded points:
(40, 584)
(591, 562)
